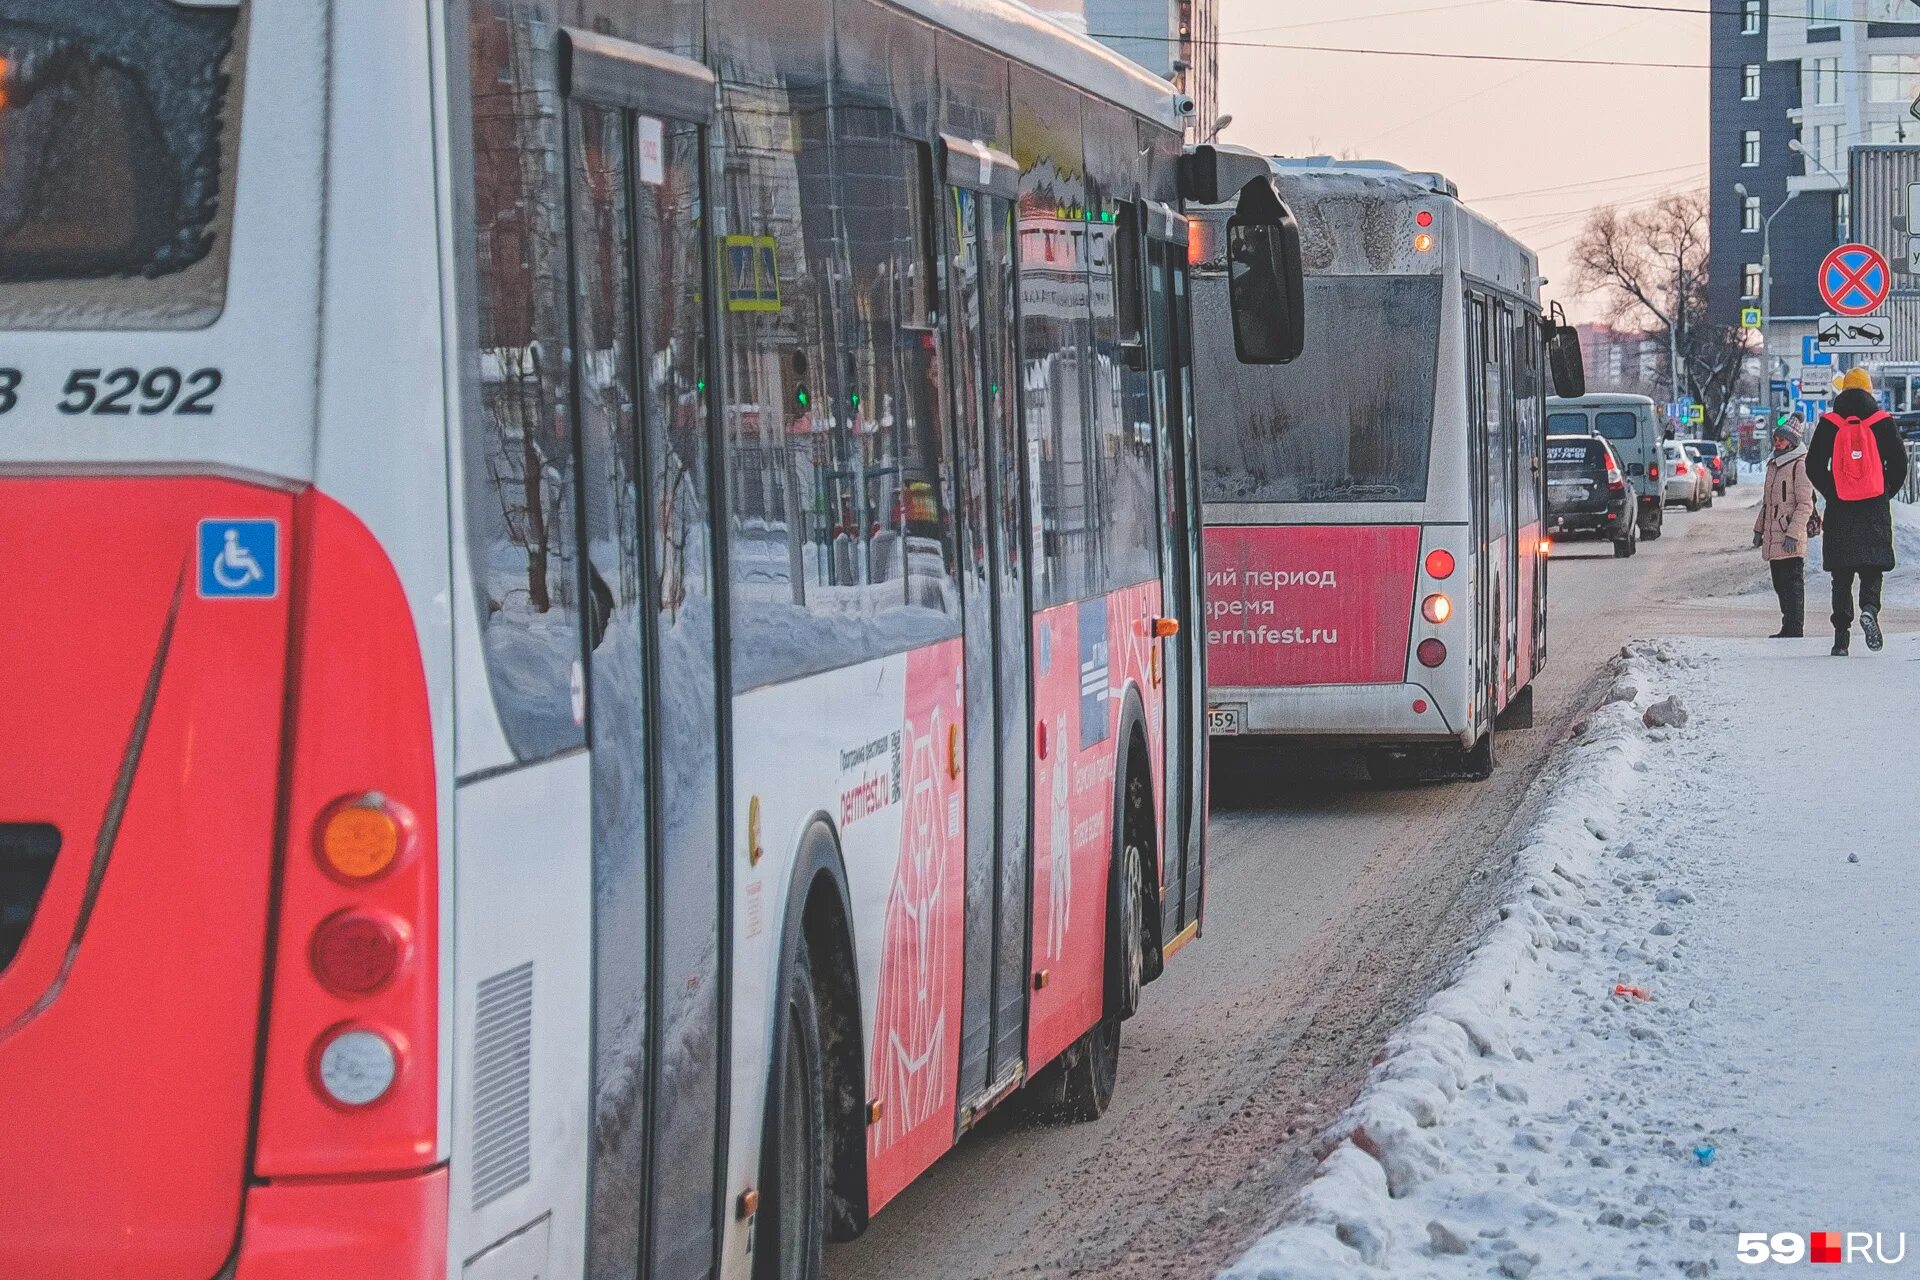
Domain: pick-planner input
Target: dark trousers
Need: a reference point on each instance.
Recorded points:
(1843, 594)
(1790, 584)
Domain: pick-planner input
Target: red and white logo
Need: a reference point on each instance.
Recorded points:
(1789, 1248)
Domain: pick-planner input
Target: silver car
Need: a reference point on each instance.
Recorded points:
(1685, 479)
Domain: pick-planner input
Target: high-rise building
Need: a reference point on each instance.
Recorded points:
(1177, 39)
(1829, 75)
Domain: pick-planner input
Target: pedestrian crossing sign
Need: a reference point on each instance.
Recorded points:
(1750, 318)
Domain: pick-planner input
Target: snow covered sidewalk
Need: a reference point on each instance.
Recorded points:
(1698, 1016)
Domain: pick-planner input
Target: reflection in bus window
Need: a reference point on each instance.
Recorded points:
(1347, 422)
(519, 441)
(116, 162)
(841, 521)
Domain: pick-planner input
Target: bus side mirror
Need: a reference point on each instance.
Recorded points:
(1563, 355)
(1266, 278)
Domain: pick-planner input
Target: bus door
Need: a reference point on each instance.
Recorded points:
(1181, 655)
(991, 497)
(1509, 464)
(1485, 483)
(636, 147)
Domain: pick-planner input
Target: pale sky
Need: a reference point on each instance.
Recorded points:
(1496, 129)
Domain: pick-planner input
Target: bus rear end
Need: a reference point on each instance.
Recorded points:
(1336, 532)
(219, 1032)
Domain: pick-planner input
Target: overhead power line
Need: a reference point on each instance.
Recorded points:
(1616, 63)
(1366, 17)
(1709, 12)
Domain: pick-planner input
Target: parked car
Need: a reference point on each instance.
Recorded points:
(1681, 482)
(1588, 495)
(1632, 430)
(1719, 462)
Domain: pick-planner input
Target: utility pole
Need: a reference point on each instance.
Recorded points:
(1766, 287)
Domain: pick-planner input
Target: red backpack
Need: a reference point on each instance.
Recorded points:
(1857, 473)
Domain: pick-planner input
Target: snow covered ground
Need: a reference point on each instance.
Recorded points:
(1698, 1015)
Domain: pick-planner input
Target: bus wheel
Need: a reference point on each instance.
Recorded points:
(1129, 891)
(1478, 760)
(1078, 1086)
(792, 1221)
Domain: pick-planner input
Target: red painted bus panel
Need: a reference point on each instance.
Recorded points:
(144, 722)
(1085, 655)
(361, 724)
(916, 1040)
(391, 1228)
(1298, 605)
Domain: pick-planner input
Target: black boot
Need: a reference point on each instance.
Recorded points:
(1842, 636)
(1787, 631)
(1870, 627)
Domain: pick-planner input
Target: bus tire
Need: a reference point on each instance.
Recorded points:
(1078, 1086)
(1479, 760)
(791, 1235)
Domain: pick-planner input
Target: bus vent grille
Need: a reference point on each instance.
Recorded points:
(503, 1085)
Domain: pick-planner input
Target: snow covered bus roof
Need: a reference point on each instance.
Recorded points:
(1029, 36)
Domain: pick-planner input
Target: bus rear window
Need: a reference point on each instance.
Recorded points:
(1349, 421)
(117, 125)
(1617, 426)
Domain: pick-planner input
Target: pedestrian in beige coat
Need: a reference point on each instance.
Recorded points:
(1786, 521)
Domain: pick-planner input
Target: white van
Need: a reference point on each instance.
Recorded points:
(1631, 426)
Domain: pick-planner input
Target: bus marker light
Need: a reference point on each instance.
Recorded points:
(1419, 706)
(1040, 978)
(1165, 627)
(356, 954)
(1424, 218)
(361, 838)
(1040, 740)
(875, 1109)
(1432, 653)
(953, 750)
(357, 1067)
(1440, 563)
(1423, 243)
(747, 1205)
(1436, 608)
(1546, 546)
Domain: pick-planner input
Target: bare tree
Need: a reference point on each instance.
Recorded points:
(1650, 268)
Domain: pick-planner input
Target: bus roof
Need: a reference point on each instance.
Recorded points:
(1603, 400)
(1029, 36)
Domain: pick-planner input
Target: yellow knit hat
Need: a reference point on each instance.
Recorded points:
(1856, 380)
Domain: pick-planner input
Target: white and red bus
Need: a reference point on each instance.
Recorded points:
(1375, 571)
(600, 599)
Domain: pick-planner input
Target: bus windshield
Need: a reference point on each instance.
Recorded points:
(1349, 421)
(115, 146)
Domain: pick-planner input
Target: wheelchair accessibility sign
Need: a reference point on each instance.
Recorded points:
(239, 559)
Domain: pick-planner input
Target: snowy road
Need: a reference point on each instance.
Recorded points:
(1697, 1019)
(1335, 909)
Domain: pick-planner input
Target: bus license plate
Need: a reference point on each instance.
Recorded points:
(1228, 717)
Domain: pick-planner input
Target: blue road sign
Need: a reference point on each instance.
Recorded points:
(1810, 352)
(239, 559)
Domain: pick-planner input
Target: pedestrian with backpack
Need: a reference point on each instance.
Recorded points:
(1857, 460)
(1786, 522)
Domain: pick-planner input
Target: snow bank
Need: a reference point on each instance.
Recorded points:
(1696, 1015)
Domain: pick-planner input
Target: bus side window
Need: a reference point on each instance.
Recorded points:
(1055, 326)
(518, 436)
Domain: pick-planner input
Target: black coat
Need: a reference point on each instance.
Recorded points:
(1859, 535)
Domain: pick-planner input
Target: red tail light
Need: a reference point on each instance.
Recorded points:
(351, 1077)
(1653, 471)
(1431, 653)
(1680, 468)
